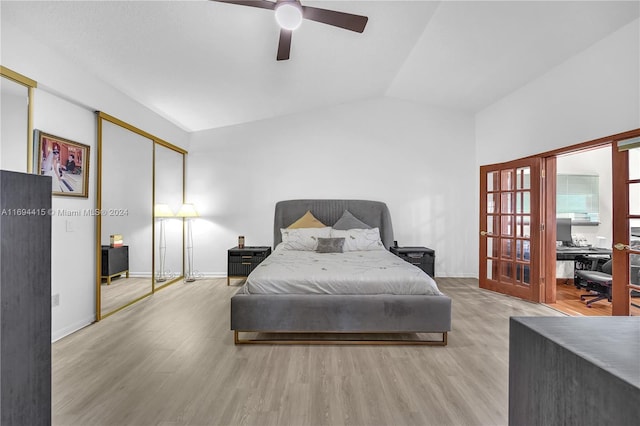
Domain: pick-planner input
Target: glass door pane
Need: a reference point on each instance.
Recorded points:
(634, 198)
(634, 267)
(634, 164)
(634, 231)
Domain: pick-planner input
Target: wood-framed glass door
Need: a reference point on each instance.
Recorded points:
(510, 230)
(626, 227)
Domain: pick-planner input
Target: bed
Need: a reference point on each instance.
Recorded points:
(296, 312)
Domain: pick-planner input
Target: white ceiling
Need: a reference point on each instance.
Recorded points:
(204, 64)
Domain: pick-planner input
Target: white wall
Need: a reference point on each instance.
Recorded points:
(598, 162)
(419, 160)
(72, 253)
(65, 101)
(594, 94)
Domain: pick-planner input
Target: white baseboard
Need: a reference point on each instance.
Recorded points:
(458, 275)
(64, 332)
(139, 274)
(214, 274)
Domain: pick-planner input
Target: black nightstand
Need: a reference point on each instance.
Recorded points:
(423, 257)
(241, 261)
(115, 261)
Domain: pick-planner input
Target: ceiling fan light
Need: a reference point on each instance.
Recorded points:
(289, 15)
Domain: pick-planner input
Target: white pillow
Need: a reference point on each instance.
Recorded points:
(305, 239)
(359, 239)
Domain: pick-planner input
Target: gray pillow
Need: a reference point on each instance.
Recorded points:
(349, 221)
(330, 245)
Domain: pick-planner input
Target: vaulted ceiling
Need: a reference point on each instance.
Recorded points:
(204, 64)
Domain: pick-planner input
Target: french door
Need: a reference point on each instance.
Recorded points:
(510, 228)
(626, 227)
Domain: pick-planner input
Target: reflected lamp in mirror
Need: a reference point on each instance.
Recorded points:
(188, 211)
(162, 211)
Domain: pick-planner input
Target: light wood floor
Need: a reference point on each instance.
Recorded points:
(568, 301)
(170, 360)
(122, 291)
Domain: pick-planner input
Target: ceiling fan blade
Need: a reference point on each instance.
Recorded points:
(337, 19)
(262, 4)
(284, 46)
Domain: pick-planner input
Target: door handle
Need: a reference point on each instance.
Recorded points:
(485, 233)
(620, 246)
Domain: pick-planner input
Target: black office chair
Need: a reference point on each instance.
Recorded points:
(595, 281)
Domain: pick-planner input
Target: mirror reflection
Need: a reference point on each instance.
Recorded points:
(169, 229)
(14, 117)
(126, 217)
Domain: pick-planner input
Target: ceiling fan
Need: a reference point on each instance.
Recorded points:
(289, 15)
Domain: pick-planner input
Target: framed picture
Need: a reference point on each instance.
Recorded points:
(67, 163)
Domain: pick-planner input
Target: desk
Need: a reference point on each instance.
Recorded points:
(566, 257)
(570, 253)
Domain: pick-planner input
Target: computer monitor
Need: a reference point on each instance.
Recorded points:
(563, 231)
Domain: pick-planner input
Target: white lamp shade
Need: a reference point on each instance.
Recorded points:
(187, 210)
(162, 210)
(289, 15)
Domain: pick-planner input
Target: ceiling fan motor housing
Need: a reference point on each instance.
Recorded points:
(288, 14)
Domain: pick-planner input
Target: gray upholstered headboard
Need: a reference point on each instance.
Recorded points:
(373, 213)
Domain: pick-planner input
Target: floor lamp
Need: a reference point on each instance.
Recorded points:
(162, 211)
(188, 211)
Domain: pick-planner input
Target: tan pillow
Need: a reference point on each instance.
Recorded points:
(307, 221)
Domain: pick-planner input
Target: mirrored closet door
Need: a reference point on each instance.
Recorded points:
(169, 190)
(140, 188)
(16, 116)
(126, 217)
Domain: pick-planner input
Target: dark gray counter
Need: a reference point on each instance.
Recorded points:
(25, 299)
(574, 371)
